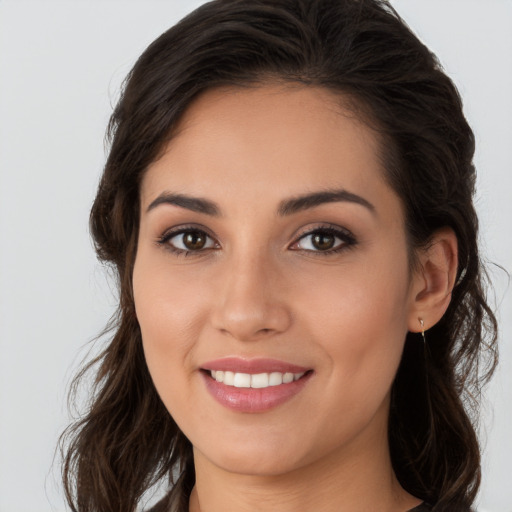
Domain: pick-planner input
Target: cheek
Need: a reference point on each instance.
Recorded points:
(358, 317)
(170, 316)
(167, 300)
(360, 297)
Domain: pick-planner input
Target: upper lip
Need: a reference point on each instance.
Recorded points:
(253, 366)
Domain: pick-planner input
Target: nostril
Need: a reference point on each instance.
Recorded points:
(249, 316)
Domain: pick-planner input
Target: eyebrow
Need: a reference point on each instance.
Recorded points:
(195, 204)
(286, 207)
(306, 201)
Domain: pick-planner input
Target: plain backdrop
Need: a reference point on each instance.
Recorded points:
(61, 65)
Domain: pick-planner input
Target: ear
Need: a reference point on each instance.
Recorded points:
(434, 280)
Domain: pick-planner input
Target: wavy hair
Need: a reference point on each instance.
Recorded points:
(126, 441)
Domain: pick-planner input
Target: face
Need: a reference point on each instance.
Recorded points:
(271, 281)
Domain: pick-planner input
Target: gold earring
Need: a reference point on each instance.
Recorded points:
(422, 329)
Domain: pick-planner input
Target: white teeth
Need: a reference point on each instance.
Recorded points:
(287, 378)
(229, 378)
(242, 380)
(260, 380)
(257, 381)
(275, 379)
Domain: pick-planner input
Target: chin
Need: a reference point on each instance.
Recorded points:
(262, 466)
(256, 459)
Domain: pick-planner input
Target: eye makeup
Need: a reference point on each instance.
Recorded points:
(187, 240)
(323, 239)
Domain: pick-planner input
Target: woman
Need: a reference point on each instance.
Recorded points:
(288, 205)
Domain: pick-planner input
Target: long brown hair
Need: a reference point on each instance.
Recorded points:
(127, 441)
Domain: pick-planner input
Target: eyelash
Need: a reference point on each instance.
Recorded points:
(168, 235)
(346, 238)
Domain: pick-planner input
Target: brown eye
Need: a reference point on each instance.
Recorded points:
(323, 241)
(189, 240)
(194, 240)
(327, 240)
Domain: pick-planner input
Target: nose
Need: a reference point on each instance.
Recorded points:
(251, 304)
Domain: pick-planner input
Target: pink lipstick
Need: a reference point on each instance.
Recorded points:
(254, 385)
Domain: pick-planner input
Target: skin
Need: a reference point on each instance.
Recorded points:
(260, 288)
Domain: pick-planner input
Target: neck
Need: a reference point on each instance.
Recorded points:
(355, 479)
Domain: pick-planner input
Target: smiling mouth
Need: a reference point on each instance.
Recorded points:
(250, 389)
(255, 381)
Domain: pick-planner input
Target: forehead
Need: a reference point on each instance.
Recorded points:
(267, 141)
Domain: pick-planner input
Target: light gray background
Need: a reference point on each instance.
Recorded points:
(61, 64)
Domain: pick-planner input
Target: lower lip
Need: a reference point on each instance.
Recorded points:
(253, 400)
